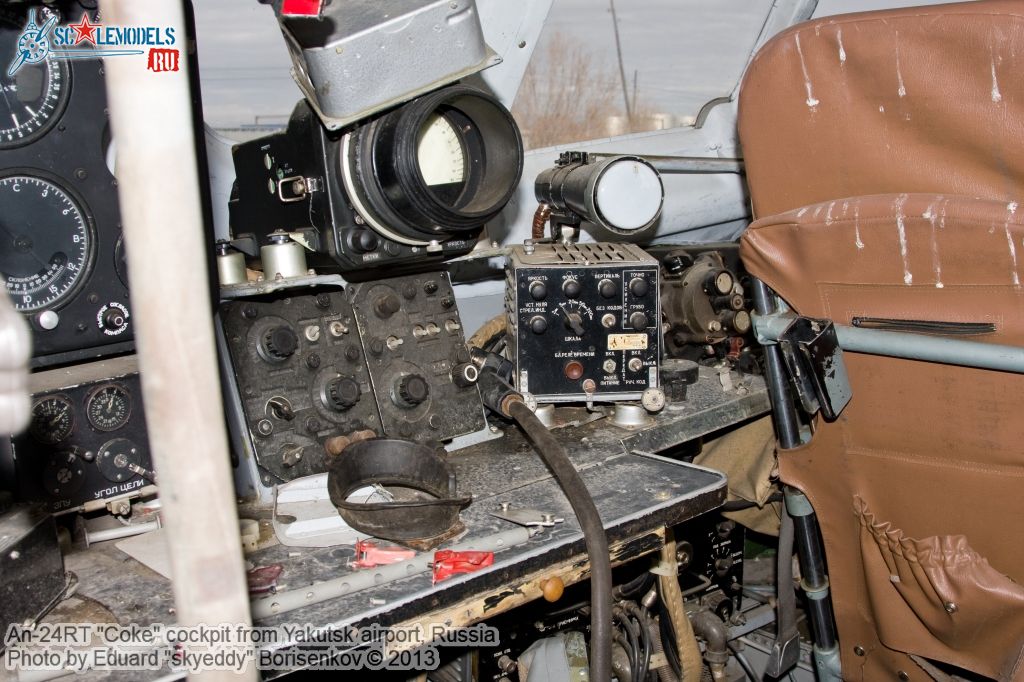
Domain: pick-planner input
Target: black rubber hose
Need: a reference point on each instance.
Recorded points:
(553, 454)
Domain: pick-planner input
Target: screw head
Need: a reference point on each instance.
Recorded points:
(859, 650)
(951, 607)
(903, 675)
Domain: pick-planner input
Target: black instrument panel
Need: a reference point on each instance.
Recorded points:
(87, 440)
(61, 253)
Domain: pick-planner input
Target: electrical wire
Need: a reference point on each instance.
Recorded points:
(744, 663)
(554, 455)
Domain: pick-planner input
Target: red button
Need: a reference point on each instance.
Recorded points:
(573, 370)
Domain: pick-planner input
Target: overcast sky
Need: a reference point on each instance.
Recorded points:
(684, 52)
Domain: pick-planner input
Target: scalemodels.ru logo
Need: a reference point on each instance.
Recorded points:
(86, 40)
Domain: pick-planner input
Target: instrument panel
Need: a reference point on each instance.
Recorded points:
(61, 252)
(87, 438)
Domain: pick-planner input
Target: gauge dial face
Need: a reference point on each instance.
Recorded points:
(52, 420)
(441, 157)
(45, 242)
(32, 99)
(109, 407)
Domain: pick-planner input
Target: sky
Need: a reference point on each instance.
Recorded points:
(683, 52)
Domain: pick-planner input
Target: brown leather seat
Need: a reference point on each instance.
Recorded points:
(885, 157)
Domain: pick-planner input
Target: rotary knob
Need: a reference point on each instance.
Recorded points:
(387, 305)
(280, 343)
(638, 321)
(412, 390)
(341, 393)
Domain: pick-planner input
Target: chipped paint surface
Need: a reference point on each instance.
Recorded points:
(902, 91)
(997, 96)
(842, 50)
(811, 102)
(1011, 208)
(856, 226)
(931, 215)
(901, 228)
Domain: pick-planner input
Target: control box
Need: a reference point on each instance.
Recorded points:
(301, 378)
(417, 356)
(87, 439)
(584, 321)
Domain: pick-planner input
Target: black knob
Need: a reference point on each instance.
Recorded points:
(574, 322)
(412, 390)
(280, 343)
(363, 241)
(638, 286)
(430, 287)
(607, 288)
(341, 393)
(538, 291)
(352, 352)
(571, 288)
(114, 318)
(387, 305)
(638, 321)
(538, 325)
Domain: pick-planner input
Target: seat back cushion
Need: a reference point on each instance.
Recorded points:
(918, 100)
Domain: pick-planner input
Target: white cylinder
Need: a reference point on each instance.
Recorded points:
(283, 259)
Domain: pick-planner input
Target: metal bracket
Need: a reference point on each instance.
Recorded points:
(527, 517)
(810, 348)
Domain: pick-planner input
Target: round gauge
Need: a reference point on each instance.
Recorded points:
(52, 419)
(437, 167)
(108, 407)
(64, 474)
(45, 242)
(31, 99)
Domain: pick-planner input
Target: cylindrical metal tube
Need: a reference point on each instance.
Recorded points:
(283, 602)
(283, 258)
(231, 268)
(786, 428)
(120, 532)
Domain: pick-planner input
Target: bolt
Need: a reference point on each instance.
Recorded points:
(609, 366)
(430, 287)
(858, 650)
(81, 173)
(714, 326)
(15, 555)
(447, 302)
(505, 506)
(249, 311)
(409, 291)
(312, 424)
(264, 427)
(903, 675)
(950, 607)
(323, 300)
(312, 361)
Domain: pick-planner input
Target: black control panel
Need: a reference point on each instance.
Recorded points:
(584, 321)
(417, 355)
(714, 572)
(87, 439)
(61, 251)
(301, 375)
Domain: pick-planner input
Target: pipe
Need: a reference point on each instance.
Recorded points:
(814, 579)
(120, 532)
(924, 347)
(671, 595)
(161, 208)
(553, 454)
(687, 164)
(786, 428)
(715, 634)
(283, 602)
